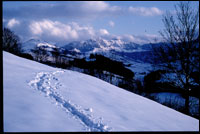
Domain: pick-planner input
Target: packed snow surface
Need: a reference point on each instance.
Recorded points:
(40, 98)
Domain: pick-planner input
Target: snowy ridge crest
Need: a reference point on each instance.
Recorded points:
(100, 44)
(43, 82)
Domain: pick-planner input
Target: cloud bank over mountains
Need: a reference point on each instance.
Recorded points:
(56, 31)
(44, 21)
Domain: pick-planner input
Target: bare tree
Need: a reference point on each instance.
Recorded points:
(11, 41)
(40, 54)
(180, 52)
(55, 55)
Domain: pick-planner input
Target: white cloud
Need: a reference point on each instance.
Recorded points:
(143, 11)
(139, 39)
(53, 29)
(149, 38)
(128, 37)
(103, 32)
(57, 31)
(94, 6)
(98, 6)
(111, 23)
(12, 22)
(84, 31)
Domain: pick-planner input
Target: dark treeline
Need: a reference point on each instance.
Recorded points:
(152, 84)
(102, 63)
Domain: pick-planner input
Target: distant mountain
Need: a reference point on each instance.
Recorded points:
(34, 43)
(115, 49)
(100, 44)
(136, 57)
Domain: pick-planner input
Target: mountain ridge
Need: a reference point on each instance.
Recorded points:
(88, 46)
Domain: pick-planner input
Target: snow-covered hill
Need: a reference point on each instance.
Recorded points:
(40, 98)
(32, 44)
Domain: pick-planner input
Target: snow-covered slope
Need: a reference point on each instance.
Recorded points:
(41, 98)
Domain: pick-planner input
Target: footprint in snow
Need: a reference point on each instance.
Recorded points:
(89, 110)
(43, 84)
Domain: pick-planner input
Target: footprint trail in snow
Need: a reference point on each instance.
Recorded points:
(43, 83)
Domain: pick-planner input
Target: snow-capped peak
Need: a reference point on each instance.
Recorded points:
(34, 43)
(76, 50)
(45, 45)
(100, 44)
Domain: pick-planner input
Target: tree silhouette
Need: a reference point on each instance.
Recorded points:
(180, 53)
(11, 41)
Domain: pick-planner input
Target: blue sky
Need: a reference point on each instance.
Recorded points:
(137, 21)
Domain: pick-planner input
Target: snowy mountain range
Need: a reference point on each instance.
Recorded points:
(127, 52)
(136, 56)
(88, 46)
(100, 44)
(40, 98)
